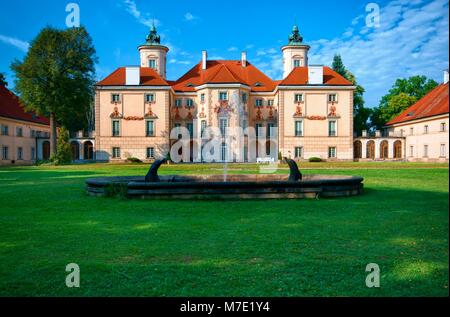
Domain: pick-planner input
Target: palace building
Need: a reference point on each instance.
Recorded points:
(310, 108)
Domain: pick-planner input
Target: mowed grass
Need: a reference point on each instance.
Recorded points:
(224, 248)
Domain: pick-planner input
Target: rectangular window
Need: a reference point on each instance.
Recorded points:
(223, 96)
(33, 133)
(411, 131)
(411, 151)
(270, 102)
(115, 128)
(5, 153)
(152, 63)
(332, 98)
(298, 98)
(149, 129)
(332, 128)
(425, 151)
(258, 127)
(5, 130)
(299, 128)
(332, 152)
(150, 152)
(190, 127)
(223, 124)
(297, 63)
(202, 98)
(443, 127)
(244, 98)
(20, 153)
(270, 129)
(150, 98)
(425, 129)
(203, 126)
(33, 153)
(116, 152)
(443, 152)
(19, 131)
(115, 97)
(298, 151)
(258, 102)
(189, 103)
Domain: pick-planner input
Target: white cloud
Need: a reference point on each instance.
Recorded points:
(188, 16)
(216, 57)
(144, 19)
(21, 45)
(232, 49)
(412, 40)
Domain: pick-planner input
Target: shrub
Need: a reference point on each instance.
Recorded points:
(63, 151)
(134, 160)
(315, 159)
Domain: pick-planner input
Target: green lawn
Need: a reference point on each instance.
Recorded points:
(224, 248)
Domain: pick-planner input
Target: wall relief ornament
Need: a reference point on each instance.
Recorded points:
(116, 113)
(298, 111)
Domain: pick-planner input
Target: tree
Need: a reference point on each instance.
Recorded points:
(64, 153)
(403, 94)
(3, 81)
(56, 77)
(338, 65)
(361, 114)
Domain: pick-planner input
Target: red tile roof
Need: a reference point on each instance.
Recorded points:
(11, 107)
(149, 77)
(224, 72)
(299, 76)
(432, 104)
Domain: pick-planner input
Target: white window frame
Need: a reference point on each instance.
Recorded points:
(335, 128)
(443, 150)
(113, 152)
(270, 102)
(150, 60)
(112, 128)
(189, 102)
(259, 102)
(150, 152)
(425, 129)
(302, 132)
(335, 97)
(425, 150)
(147, 134)
(300, 148)
(19, 153)
(178, 102)
(223, 93)
(153, 98)
(5, 152)
(329, 152)
(298, 98)
(113, 95)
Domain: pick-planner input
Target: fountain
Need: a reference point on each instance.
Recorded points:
(256, 186)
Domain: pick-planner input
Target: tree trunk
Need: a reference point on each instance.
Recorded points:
(52, 135)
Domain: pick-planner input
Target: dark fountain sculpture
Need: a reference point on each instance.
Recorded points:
(255, 186)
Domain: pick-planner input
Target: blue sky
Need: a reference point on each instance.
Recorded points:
(412, 37)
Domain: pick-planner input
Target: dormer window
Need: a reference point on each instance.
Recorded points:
(258, 84)
(152, 63)
(190, 85)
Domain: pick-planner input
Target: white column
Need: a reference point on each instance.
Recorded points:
(363, 149)
(377, 149)
(390, 148)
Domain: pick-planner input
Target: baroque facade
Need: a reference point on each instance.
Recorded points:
(308, 113)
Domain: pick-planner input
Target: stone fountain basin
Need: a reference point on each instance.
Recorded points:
(260, 186)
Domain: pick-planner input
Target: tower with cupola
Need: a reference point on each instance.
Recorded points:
(153, 54)
(295, 53)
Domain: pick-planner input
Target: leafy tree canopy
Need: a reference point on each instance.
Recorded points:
(57, 75)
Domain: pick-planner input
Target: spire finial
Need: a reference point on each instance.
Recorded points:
(153, 37)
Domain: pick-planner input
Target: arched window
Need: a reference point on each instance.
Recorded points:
(370, 148)
(398, 149)
(384, 149)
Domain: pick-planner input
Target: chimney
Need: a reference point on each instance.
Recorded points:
(315, 74)
(204, 58)
(445, 76)
(244, 59)
(132, 76)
